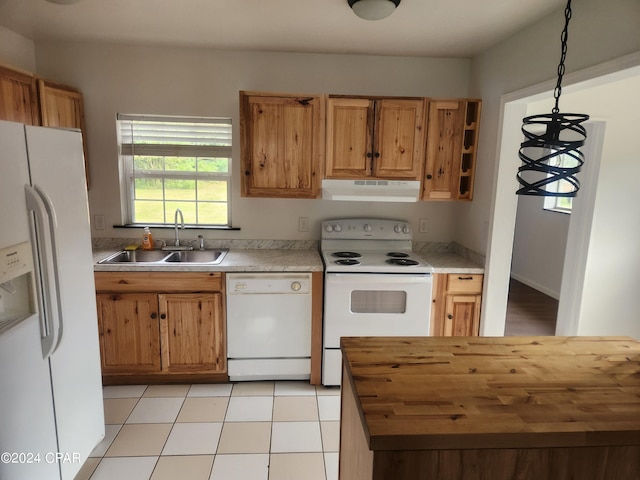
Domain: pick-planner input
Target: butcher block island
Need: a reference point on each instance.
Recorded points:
(552, 408)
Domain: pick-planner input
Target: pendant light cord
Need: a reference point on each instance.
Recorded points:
(563, 38)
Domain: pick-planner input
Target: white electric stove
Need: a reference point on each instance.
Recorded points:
(375, 285)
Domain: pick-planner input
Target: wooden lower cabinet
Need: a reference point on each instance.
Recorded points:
(176, 332)
(192, 332)
(456, 305)
(129, 332)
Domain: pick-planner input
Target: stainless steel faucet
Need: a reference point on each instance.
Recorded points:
(175, 219)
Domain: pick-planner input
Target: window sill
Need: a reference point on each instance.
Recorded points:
(554, 210)
(172, 227)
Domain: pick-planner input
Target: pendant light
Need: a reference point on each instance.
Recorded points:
(373, 9)
(551, 153)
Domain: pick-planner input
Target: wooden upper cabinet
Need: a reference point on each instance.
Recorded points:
(375, 137)
(451, 149)
(281, 142)
(18, 97)
(62, 106)
(349, 137)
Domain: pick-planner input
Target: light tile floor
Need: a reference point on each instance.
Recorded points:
(234, 431)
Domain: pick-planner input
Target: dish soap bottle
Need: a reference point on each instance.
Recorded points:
(147, 239)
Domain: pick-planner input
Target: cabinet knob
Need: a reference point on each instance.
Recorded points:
(450, 317)
(247, 173)
(377, 155)
(369, 155)
(163, 316)
(153, 315)
(429, 177)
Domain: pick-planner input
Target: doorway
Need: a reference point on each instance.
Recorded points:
(498, 267)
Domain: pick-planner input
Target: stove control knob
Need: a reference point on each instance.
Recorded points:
(296, 286)
(337, 228)
(328, 228)
(397, 229)
(405, 229)
(367, 227)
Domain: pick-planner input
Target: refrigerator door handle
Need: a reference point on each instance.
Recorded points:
(44, 229)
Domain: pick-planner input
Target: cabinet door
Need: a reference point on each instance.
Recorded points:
(349, 137)
(193, 337)
(62, 106)
(281, 145)
(462, 315)
(129, 332)
(18, 97)
(399, 139)
(444, 149)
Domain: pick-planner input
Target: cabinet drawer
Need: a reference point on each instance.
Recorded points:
(158, 281)
(464, 283)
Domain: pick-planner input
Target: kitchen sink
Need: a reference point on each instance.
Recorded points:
(206, 257)
(196, 256)
(135, 256)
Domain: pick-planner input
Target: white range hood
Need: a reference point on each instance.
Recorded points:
(371, 190)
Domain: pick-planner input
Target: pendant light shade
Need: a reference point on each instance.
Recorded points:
(373, 9)
(551, 153)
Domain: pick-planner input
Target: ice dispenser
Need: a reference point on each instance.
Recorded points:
(17, 288)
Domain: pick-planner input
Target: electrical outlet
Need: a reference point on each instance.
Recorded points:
(303, 224)
(424, 225)
(98, 222)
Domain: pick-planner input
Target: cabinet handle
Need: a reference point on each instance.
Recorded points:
(163, 316)
(429, 177)
(154, 315)
(465, 278)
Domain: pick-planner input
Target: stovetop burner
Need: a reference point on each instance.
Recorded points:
(405, 262)
(397, 254)
(347, 261)
(346, 255)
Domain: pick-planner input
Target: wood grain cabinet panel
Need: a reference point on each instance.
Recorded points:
(456, 304)
(452, 135)
(173, 333)
(129, 332)
(375, 137)
(192, 333)
(18, 97)
(281, 142)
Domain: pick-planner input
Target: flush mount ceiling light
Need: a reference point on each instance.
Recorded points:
(552, 159)
(373, 9)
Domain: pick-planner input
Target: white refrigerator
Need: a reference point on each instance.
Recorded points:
(51, 410)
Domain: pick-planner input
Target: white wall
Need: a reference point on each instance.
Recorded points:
(599, 31)
(539, 244)
(530, 58)
(133, 79)
(610, 303)
(17, 51)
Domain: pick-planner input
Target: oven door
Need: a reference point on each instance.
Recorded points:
(371, 304)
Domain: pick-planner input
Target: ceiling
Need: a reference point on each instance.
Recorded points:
(436, 28)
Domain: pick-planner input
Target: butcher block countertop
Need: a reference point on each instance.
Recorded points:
(434, 393)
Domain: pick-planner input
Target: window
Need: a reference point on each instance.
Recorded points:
(171, 163)
(560, 204)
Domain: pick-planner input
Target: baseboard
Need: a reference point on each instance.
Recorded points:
(536, 286)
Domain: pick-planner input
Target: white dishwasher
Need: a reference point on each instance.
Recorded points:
(269, 326)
